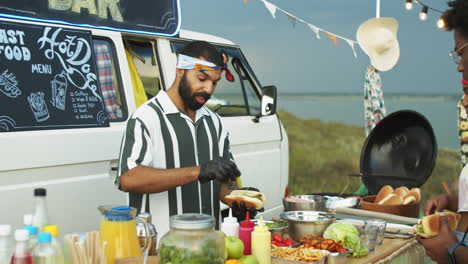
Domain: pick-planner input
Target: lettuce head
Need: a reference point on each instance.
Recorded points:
(349, 237)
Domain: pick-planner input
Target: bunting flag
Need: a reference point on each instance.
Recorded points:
(333, 38)
(315, 29)
(351, 44)
(293, 19)
(271, 7)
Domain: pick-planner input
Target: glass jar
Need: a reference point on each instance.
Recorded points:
(192, 240)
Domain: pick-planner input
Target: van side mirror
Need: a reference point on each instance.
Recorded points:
(269, 101)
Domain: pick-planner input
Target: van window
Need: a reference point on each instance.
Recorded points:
(237, 98)
(144, 60)
(109, 80)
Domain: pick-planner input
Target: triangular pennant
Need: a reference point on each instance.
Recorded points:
(315, 29)
(333, 38)
(293, 20)
(271, 7)
(351, 44)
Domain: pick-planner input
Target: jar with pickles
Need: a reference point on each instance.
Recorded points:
(192, 240)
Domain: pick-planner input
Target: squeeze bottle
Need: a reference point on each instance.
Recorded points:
(230, 227)
(261, 243)
(245, 233)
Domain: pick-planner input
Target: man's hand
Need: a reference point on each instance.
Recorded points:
(437, 204)
(220, 170)
(240, 210)
(437, 247)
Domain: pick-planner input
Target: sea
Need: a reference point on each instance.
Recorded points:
(440, 110)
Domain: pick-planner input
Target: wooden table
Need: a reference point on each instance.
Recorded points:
(393, 251)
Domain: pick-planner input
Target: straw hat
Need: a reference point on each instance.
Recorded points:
(378, 39)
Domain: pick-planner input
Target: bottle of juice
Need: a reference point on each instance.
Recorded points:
(261, 243)
(40, 217)
(6, 246)
(44, 253)
(245, 234)
(22, 254)
(56, 243)
(33, 230)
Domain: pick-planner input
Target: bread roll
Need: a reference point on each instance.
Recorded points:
(391, 199)
(384, 192)
(401, 191)
(413, 193)
(431, 223)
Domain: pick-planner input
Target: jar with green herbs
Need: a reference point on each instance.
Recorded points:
(192, 240)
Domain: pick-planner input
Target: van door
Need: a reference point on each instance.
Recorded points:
(255, 145)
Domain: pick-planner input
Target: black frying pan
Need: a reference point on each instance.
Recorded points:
(403, 145)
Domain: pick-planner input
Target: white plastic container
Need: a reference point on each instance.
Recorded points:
(27, 219)
(40, 217)
(230, 226)
(6, 244)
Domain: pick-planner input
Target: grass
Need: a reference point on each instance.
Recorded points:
(322, 154)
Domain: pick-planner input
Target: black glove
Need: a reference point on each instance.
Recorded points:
(240, 210)
(221, 170)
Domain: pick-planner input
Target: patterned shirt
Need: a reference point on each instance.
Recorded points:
(374, 107)
(158, 135)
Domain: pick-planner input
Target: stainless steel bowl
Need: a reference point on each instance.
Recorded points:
(310, 203)
(302, 223)
(278, 230)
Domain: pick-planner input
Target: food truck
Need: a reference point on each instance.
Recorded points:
(66, 81)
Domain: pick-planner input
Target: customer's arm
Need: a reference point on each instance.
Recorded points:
(461, 254)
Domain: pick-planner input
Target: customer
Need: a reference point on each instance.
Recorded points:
(447, 246)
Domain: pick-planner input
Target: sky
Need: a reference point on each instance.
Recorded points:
(296, 62)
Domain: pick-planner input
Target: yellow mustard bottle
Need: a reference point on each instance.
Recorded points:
(261, 243)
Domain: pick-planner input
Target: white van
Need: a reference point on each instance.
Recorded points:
(77, 165)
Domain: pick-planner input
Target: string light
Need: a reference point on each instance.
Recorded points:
(423, 14)
(409, 4)
(441, 23)
(425, 9)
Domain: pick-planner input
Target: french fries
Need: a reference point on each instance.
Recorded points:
(298, 254)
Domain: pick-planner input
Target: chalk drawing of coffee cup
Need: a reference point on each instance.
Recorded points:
(38, 106)
(59, 90)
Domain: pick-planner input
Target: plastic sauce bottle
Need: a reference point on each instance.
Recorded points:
(22, 254)
(40, 217)
(56, 243)
(44, 253)
(230, 226)
(33, 230)
(245, 233)
(261, 243)
(6, 245)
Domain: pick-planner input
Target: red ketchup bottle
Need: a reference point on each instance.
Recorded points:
(245, 234)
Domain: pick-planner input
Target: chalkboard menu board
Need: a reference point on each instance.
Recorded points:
(160, 17)
(48, 79)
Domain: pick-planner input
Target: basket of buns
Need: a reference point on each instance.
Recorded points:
(400, 201)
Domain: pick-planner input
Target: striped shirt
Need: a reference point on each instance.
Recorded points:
(158, 135)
